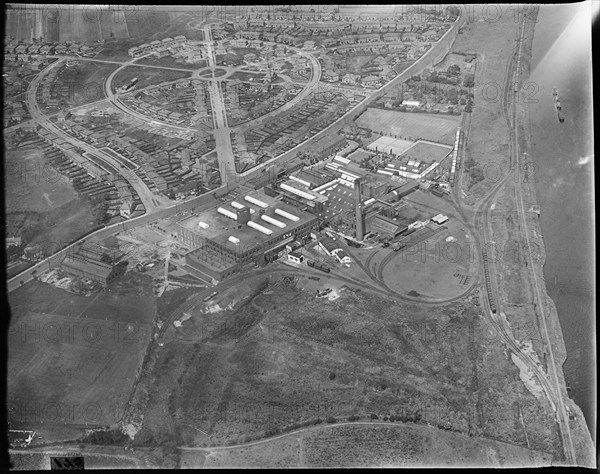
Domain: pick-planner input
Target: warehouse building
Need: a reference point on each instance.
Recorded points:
(333, 249)
(92, 269)
(250, 228)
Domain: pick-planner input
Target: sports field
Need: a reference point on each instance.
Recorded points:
(411, 126)
(427, 152)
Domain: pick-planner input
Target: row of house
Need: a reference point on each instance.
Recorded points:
(158, 48)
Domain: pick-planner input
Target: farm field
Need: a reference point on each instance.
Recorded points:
(284, 358)
(148, 76)
(411, 126)
(370, 445)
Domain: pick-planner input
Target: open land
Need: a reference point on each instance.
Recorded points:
(410, 126)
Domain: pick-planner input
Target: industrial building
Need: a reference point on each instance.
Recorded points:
(251, 227)
(333, 249)
(92, 269)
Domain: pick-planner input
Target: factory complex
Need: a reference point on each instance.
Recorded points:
(254, 226)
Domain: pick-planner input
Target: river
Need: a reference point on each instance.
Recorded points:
(564, 154)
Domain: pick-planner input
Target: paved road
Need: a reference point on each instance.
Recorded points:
(222, 132)
(53, 261)
(148, 198)
(419, 65)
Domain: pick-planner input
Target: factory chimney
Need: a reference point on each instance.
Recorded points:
(359, 216)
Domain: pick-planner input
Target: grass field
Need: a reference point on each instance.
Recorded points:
(354, 64)
(286, 357)
(382, 445)
(170, 62)
(487, 138)
(411, 126)
(245, 76)
(41, 205)
(85, 367)
(87, 81)
(67, 349)
(147, 76)
(427, 152)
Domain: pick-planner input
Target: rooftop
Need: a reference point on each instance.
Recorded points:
(220, 227)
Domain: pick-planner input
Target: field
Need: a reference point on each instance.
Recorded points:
(411, 126)
(369, 445)
(66, 349)
(245, 76)
(41, 205)
(147, 76)
(488, 142)
(88, 78)
(284, 358)
(437, 268)
(354, 64)
(427, 152)
(86, 366)
(170, 62)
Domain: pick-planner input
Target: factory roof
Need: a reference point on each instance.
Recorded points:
(340, 199)
(220, 227)
(94, 267)
(383, 225)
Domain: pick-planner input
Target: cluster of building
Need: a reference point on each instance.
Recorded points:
(255, 226)
(184, 101)
(396, 158)
(16, 49)
(249, 228)
(291, 127)
(91, 177)
(160, 48)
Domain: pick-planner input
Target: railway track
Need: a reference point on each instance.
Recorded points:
(551, 387)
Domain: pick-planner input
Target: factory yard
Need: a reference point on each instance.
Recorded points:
(411, 126)
(442, 267)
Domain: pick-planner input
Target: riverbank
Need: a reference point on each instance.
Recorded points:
(540, 124)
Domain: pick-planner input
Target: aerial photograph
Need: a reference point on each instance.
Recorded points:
(299, 236)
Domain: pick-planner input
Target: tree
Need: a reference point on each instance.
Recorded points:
(469, 80)
(454, 70)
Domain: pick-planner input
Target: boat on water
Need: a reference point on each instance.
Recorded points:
(558, 106)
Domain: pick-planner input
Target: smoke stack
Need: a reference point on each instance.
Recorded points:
(359, 217)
